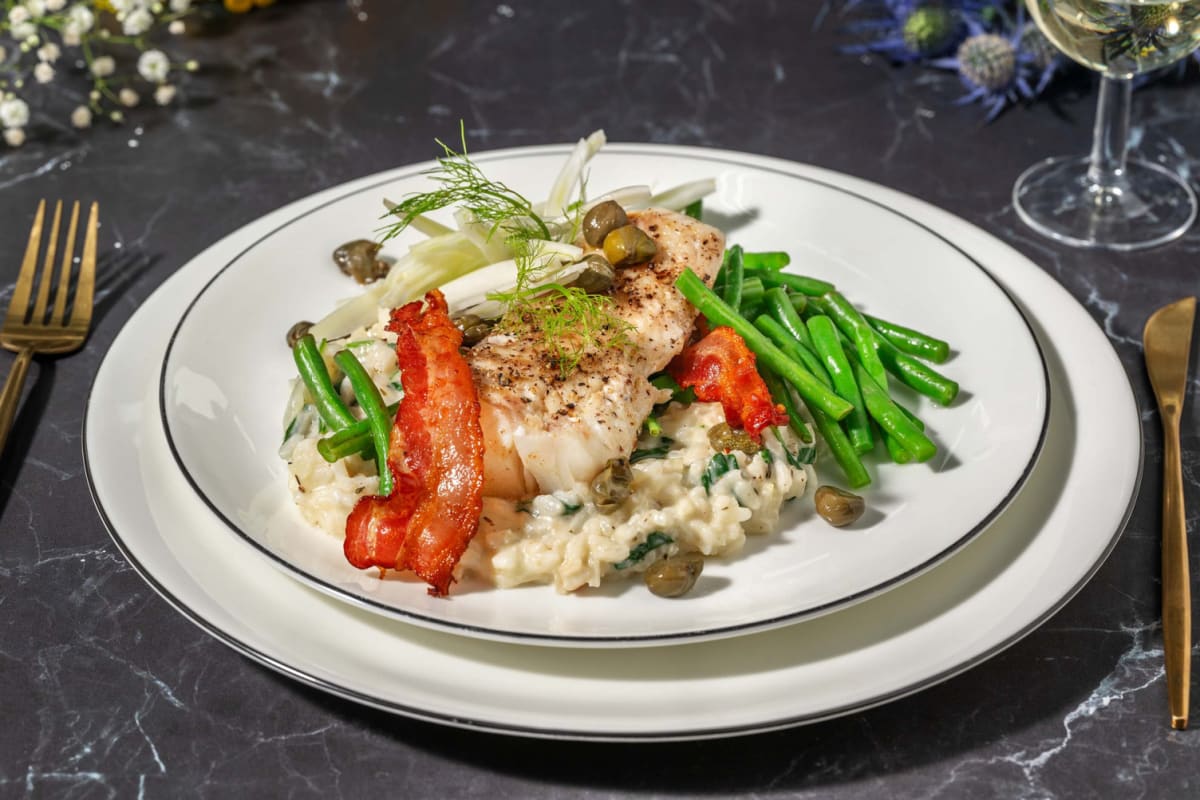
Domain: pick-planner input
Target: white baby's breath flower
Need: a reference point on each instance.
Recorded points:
(14, 136)
(103, 66)
(79, 21)
(154, 66)
(14, 113)
(49, 52)
(37, 8)
(137, 22)
(116, 116)
(164, 94)
(43, 72)
(179, 6)
(70, 39)
(128, 97)
(176, 27)
(56, 5)
(20, 24)
(122, 7)
(81, 117)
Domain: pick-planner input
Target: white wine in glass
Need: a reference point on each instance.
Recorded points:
(1106, 199)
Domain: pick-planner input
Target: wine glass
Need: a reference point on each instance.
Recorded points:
(1107, 200)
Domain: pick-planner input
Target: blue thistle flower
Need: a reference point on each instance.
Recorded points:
(994, 67)
(905, 30)
(999, 58)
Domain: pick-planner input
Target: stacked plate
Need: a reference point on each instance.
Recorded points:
(1037, 469)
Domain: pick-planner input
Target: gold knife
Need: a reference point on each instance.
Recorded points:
(1168, 343)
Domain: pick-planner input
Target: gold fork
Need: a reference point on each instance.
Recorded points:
(27, 330)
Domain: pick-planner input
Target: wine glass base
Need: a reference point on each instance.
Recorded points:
(1150, 206)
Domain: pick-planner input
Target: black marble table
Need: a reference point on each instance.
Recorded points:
(106, 691)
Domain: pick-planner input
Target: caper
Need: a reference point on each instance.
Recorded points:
(297, 331)
(628, 245)
(474, 334)
(359, 259)
(837, 506)
(597, 276)
(611, 486)
(674, 576)
(725, 438)
(464, 321)
(602, 218)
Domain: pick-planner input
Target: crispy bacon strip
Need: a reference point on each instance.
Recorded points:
(720, 368)
(435, 453)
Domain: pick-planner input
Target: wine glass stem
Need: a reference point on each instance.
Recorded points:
(1110, 137)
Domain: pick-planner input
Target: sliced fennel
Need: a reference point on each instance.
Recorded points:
(561, 191)
(490, 242)
(475, 293)
(680, 197)
(631, 198)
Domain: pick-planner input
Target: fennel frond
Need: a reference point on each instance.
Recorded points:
(462, 183)
(568, 320)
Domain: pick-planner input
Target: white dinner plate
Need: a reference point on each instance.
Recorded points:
(227, 370)
(1046, 545)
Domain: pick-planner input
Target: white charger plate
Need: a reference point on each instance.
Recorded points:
(1047, 544)
(225, 378)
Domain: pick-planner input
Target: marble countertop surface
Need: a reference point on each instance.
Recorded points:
(106, 691)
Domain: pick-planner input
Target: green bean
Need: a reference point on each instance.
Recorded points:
(772, 260)
(734, 275)
(813, 287)
(892, 443)
(891, 419)
(835, 436)
(718, 312)
(311, 365)
(895, 450)
(780, 306)
(793, 348)
(782, 393)
(371, 402)
(750, 311)
(912, 373)
(753, 292)
(910, 341)
(825, 337)
(799, 302)
(353, 439)
(917, 374)
(758, 262)
(851, 323)
(841, 449)
(347, 441)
